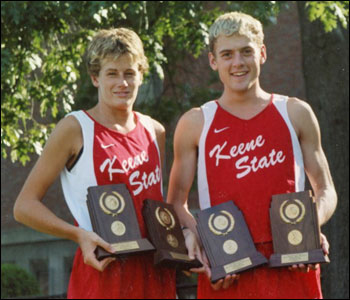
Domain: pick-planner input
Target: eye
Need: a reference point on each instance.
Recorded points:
(247, 51)
(226, 55)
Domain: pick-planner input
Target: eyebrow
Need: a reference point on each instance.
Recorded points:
(240, 49)
(116, 70)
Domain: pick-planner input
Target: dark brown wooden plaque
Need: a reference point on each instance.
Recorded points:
(113, 218)
(295, 230)
(227, 241)
(166, 235)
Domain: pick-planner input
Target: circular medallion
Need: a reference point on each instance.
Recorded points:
(164, 216)
(221, 222)
(172, 241)
(292, 211)
(112, 202)
(230, 247)
(118, 228)
(295, 237)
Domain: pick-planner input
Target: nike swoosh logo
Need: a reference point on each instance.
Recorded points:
(220, 130)
(106, 146)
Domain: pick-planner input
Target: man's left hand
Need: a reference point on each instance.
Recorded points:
(306, 268)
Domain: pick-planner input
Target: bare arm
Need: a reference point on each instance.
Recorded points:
(186, 140)
(160, 134)
(29, 208)
(315, 162)
(62, 146)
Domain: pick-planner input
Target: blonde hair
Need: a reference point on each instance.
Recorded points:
(236, 23)
(113, 43)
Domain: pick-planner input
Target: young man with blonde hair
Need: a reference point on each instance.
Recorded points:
(249, 145)
(107, 144)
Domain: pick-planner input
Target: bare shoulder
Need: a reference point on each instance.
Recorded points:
(194, 116)
(190, 125)
(68, 128)
(65, 141)
(158, 127)
(68, 125)
(296, 105)
(301, 115)
(60, 148)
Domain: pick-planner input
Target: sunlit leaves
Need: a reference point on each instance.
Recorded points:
(329, 13)
(43, 42)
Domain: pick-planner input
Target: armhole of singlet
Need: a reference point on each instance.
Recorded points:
(76, 160)
(147, 123)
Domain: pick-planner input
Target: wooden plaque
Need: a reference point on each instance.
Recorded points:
(166, 235)
(113, 218)
(295, 230)
(227, 241)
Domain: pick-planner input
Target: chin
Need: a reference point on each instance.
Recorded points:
(239, 89)
(124, 104)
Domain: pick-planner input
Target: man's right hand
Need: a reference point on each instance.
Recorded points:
(88, 241)
(195, 251)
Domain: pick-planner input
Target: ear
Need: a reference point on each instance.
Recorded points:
(212, 61)
(141, 77)
(94, 80)
(263, 54)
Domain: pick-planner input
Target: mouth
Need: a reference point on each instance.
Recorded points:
(121, 94)
(239, 74)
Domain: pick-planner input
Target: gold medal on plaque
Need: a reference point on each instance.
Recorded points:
(230, 247)
(113, 204)
(292, 211)
(165, 218)
(295, 237)
(172, 240)
(118, 228)
(221, 224)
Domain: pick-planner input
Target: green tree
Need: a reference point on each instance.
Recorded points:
(42, 44)
(326, 73)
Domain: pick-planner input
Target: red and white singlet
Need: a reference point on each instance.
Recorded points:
(248, 161)
(110, 157)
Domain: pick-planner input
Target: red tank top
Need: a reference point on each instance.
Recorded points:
(248, 161)
(110, 157)
(132, 159)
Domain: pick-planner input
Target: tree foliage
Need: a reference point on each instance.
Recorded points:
(43, 42)
(330, 13)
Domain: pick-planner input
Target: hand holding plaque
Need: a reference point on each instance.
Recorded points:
(114, 219)
(295, 230)
(166, 235)
(227, 241)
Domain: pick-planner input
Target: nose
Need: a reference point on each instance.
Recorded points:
(122, 82)
(237, 60)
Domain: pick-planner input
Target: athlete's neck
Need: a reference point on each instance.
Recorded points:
(254, 95)
(121, 120)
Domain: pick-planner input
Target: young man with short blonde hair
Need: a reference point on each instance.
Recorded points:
(247, 146)
(107, 144)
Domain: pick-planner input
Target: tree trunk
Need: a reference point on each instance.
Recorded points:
(326, 71)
